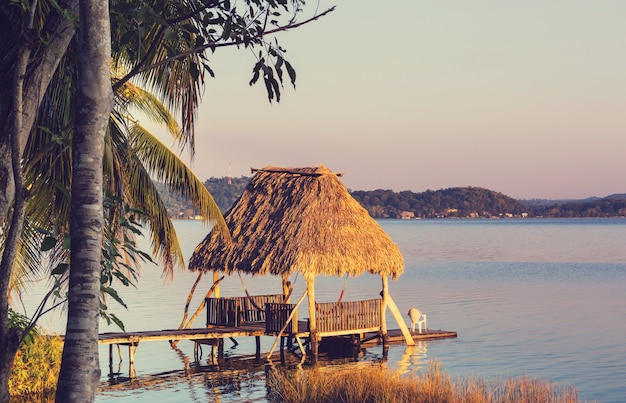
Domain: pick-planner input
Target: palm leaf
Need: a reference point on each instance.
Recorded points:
(167, 167)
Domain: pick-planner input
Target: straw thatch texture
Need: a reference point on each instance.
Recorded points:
(299, 219)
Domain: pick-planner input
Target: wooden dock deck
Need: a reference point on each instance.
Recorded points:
(358, 322)
(182, 334)
(248, 330)
(216, 334)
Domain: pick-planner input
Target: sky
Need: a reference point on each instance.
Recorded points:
(524, 98)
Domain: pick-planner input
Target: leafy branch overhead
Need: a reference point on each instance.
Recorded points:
(158, 37)
(270, 72)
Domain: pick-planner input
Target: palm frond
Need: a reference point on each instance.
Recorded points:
(167, 167)
(150, 106)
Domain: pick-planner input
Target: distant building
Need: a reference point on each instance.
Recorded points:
(407, 215)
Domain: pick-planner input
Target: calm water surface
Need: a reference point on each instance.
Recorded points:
(537, 297)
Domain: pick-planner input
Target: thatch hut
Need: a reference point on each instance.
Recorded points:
(302, 220)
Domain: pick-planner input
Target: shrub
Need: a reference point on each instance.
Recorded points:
(36, 367)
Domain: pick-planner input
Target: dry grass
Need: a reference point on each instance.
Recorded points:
(374, 383)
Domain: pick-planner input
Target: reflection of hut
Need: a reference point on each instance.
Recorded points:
(302, 220)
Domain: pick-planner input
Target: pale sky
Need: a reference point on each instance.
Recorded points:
(522, 97)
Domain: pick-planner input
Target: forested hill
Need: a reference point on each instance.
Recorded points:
(453, 202)
(461, 202)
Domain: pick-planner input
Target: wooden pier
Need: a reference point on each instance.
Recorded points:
(256, 316)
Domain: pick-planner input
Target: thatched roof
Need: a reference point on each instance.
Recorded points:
(299, 220)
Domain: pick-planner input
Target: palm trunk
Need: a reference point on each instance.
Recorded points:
(80, 366)
(26, 97)
(10, 337)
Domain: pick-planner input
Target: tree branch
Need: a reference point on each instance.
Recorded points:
(138, 69)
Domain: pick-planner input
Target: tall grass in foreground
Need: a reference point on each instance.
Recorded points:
(375, 383)
(36, 368)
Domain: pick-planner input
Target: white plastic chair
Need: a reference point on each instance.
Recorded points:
(417, 317)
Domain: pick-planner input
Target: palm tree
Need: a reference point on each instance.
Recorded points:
(133, 159)
(160, 44)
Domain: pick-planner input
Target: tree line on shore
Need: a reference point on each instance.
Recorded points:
(457, 202)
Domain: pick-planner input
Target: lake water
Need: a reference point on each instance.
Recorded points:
(538, 297)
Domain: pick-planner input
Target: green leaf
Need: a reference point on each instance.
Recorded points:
(276, 88)
(193, 69)
(61, 187)
(291, 72)
(113, 293)
(255, 77)
(48, 243)
(227, 29)
(278, 67)
(118, 322)
(104, 278)
(67, 242)
(43, 231)
(60, 269)
(123, 279)
(268, 87)
(209, 70)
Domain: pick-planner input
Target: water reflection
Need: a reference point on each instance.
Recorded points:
(552, 288)
(233, 377)
(414, 357)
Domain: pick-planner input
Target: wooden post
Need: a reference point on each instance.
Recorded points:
(287, 289)
(383, 314)
(282, 349)
(216, 278)
(258, 347)
(396, 314)
(110, 360)
(310, 287)
(132, 348)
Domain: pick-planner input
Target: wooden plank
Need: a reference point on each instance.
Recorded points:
(383, 308)
(182, 334)
(348, 331)
(396, 314)
(394, 336)
(310, 288)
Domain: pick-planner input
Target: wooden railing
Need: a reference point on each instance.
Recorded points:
(222, 312)
(276, 315)
(234, 311)
(349, 315)
(330, 316)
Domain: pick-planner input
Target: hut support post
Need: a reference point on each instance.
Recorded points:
(310, 287)
(383, 314)
(216, 283)
(287, 289)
